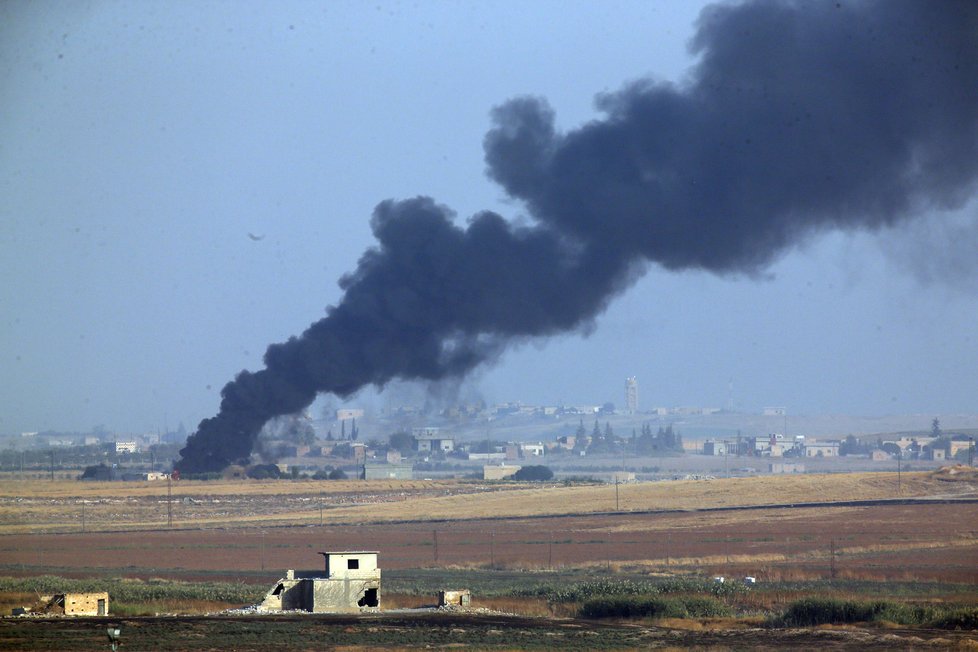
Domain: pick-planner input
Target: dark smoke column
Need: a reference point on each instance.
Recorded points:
(797, 119)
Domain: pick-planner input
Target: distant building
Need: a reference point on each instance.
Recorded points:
(785, 467)
(822, 449)
(956, 445)
(714, 447)
(532, 449)
(388, 471)
(428, 440)
(125, 447)
(775, 411)
(631, 395)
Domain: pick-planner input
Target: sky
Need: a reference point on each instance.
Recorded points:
(183, 184)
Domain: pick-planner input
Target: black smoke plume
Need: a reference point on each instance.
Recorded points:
(797, 118)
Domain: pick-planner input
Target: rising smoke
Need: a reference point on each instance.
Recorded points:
(798, 117)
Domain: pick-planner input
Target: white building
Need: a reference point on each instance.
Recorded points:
(631, 395)
(126, 447)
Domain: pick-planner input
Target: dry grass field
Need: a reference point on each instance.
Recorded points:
(35, 506)
(240, 528)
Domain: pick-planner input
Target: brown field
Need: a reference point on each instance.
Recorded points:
(36, 506)
(252, 528)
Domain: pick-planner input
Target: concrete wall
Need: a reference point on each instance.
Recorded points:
(324, 595)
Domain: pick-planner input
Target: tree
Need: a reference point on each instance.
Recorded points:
(337, 474)
(891, 448)
(533, 474)
(402, 442)
(935, 428)
(354, 431)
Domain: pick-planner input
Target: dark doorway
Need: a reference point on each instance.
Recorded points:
(369, 599)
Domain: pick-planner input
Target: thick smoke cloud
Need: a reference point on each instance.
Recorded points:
(797, 118)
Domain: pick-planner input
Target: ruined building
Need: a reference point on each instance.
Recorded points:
(350, 583)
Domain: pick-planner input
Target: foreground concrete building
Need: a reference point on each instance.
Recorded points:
(350, 583)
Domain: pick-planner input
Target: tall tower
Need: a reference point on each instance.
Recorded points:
(631, 394)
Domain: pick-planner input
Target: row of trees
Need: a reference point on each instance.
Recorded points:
(664, 440)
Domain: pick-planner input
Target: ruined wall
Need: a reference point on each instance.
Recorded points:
(346, 595)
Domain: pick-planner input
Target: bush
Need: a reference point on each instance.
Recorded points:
(654, 607)
(533, 474)
(963, 618)
(337, 474)
(822, 611)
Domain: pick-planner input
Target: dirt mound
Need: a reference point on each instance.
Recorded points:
(955, 473)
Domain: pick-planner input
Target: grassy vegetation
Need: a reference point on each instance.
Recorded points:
(813, 611)
(568, 593)
(644, 606)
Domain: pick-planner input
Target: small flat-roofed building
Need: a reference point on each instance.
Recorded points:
(822, 449)
(77, 604)
(349, 583)
(400, 471)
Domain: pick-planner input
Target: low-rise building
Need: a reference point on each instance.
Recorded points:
(785, 467)
(429, 440)
(76, 604)
(714, 447)
(388, 471)
(822, 449)
(350, 583)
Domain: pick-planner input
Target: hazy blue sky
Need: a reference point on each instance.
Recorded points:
(143, 143)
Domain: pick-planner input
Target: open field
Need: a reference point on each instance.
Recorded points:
(500, 540)
(37, 506)
(915, 541)
(428, 629)
(246, 527)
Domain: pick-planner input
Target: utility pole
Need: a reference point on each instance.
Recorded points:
(169, 500)
(616, 493)
(899, 460)
(83, 515)
(832, 559)
(434, 534)
(51, 453)
(971, 451)
(492, 550)
(550, 553)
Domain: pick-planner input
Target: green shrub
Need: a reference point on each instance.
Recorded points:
(654, 607)
(634, 607)
(702, 606)
(962, 618)
(821, 611)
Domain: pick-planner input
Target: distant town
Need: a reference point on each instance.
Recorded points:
(515, 440)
